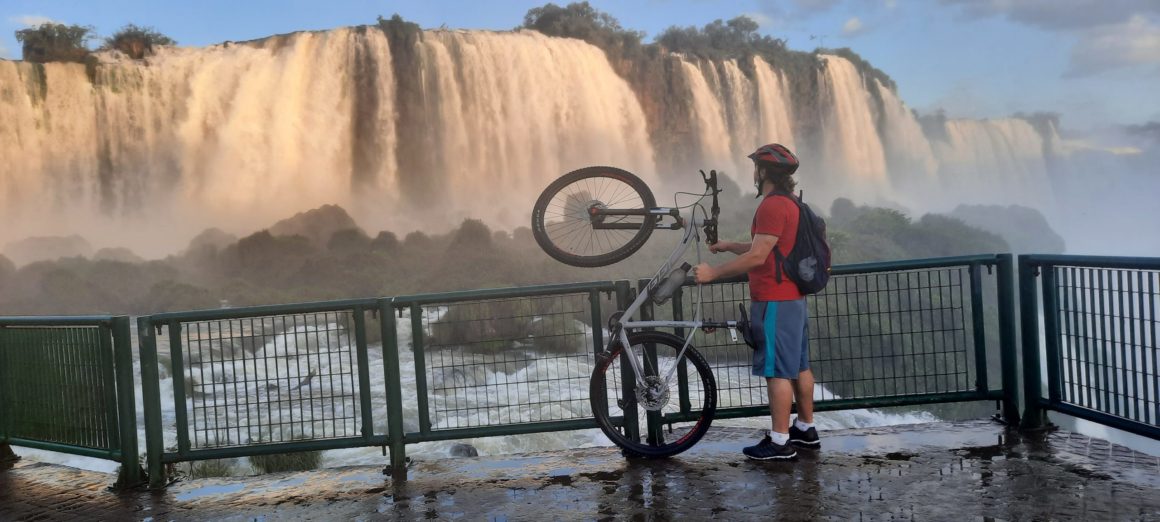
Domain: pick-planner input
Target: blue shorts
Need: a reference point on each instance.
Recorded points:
(786, 353)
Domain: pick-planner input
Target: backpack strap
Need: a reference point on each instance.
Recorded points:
(778, 258)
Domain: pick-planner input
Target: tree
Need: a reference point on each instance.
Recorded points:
(52, 42)
(581, 21)
(136, 42)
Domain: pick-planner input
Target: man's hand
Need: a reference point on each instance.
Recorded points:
(703, 273)
(721, 246)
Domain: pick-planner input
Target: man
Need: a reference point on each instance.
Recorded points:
(779, 310)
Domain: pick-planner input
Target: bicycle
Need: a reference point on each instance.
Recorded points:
(645, 399)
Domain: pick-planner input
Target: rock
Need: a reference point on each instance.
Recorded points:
(317, 225)
(48, 248)
(460, 449)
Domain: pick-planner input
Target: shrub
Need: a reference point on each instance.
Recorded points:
(136, 42)
(280, 462)
(52, 42)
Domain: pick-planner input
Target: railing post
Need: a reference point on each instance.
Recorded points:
(364, 373)
(1005, 272)
(1051, 333)
(417, 340)
(394, 387)
(131, 472)
(1033, 416)
(978, 328)
(151, 399)
(6, 454)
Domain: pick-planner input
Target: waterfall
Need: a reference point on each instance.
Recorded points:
(509, 112)
(239, 135)
(732, 114)
(908, 152)
(450, 125)
(852, 153)
(773, 98)
(709, 121)
(1000, 161)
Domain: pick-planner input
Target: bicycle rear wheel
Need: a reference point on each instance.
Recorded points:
(664, 419)
(564, 225)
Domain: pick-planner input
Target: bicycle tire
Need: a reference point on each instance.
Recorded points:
(563, 228)
(613, 378)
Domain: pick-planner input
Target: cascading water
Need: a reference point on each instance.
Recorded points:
(853, 160)
(509, 112)
(732, 113)
(1001, 161)
(773, 96)
(913, 167)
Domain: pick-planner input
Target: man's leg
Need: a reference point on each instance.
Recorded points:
(780, 397)
(804, 396)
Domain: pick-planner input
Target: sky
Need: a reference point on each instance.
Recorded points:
(1096, 62)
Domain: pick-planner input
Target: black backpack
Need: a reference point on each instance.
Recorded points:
(808, 263)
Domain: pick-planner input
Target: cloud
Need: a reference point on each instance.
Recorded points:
(1135, 43)
(31, 20)
(1058, 14)
(852, 27)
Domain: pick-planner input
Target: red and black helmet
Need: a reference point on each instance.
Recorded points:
(776, 157)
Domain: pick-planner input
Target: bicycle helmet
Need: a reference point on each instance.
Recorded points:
(776, 157)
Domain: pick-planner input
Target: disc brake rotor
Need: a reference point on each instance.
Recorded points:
(654, 395)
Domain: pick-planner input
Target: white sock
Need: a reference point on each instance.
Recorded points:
(804, 426)
(779, 438)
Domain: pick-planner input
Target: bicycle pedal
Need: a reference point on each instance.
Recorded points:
(733, 334)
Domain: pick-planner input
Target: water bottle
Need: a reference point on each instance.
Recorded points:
(671, 283)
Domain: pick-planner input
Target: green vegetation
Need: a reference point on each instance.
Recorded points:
(136, 42)
(280, 462)
(52, 42)
(201, 469)
(582, 21)
(266, 269)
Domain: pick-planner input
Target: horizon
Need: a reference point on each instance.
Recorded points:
(1096, 71)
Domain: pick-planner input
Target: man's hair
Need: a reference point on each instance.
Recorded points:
(782, 182)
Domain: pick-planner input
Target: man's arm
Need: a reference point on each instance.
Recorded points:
(730, 246)
(752, 258)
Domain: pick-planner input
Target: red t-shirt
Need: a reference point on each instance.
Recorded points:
(775, 216)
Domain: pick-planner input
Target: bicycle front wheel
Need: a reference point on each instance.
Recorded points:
(665, 417)
(576, 222)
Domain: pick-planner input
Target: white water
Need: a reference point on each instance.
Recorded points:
(848, 126)
(913, 167)
(980, 156)
(522, 388)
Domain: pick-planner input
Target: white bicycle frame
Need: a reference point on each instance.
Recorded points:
(692, 225)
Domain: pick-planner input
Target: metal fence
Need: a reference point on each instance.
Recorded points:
(395, 371)
(259, 380)
(881, 334)
(66, 384)
(1100, 346)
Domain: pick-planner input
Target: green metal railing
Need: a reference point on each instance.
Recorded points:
(259, 380)
(66, 384)
(395, 371)
(881, 334)
(1100, 346)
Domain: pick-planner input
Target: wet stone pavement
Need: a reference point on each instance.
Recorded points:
(961, 471)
